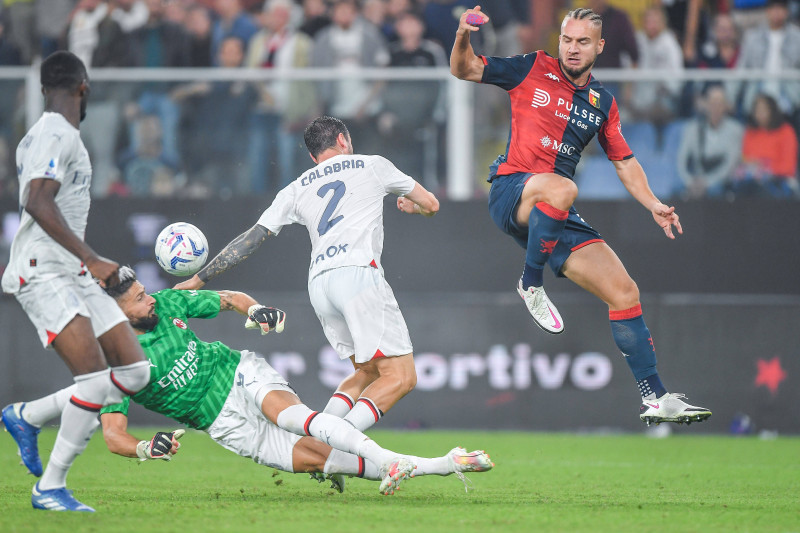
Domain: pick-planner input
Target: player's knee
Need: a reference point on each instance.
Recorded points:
(409, 382)
(128, 380)
(295, 419)
(566, 191)
(627, 295)
(92, 389)
(404, 382)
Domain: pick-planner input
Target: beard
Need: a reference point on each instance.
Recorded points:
(147, 323)
(576, 73)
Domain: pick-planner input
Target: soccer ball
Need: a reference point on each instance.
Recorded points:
(181, 249)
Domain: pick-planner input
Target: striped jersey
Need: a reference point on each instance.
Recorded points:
(189, 379)
(552, 119)
(340, 202)
(52, 149)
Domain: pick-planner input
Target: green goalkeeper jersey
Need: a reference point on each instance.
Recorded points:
(189, 379)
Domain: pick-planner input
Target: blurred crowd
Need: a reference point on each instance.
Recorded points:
(226, 138)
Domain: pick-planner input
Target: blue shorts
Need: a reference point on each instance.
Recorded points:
(504, 198)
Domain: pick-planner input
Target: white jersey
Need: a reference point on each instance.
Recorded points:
(52, 149)
(340, 202)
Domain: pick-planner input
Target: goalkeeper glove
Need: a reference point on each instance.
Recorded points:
(265, 318)
(162, 446)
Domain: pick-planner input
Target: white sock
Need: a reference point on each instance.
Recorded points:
(364, 414)
(340, 462)
(40, 412)
(334, 431)
(426, 466)
(128, 380)
(339, 404)
(78, 423)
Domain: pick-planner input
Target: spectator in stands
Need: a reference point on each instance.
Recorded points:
(508, 17)
(175, 11)
(769, 153)
(21, 18)
(216, 113)
(232, 21)
(145, 172)
(348, 44)
(773, 47)
(157, 44)
(721, 50)
(409, 106)
(709, 150)
(748, 13)
(285, 107)
(688, 20)
(52, 20)
(130, 14)
(441, 22)
(315, 17)
(9, 53)
(621, 50)
(198, 26)
(83, 35)
(376, 11)
(656, 101)
(97, 38)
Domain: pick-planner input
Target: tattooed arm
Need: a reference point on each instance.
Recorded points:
(235, 301)
(234, 253)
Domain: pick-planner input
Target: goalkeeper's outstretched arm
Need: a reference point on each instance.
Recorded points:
(115, 432)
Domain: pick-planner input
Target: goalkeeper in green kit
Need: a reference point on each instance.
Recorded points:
(236, 397)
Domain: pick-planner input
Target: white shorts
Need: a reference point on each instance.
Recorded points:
(242, 428)
(359, 313)
(53, 303)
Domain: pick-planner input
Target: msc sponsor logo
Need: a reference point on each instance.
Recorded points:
(561, 148)
(552, 77)
(540, 98)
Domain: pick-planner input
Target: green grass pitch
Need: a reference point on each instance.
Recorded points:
(542, 482)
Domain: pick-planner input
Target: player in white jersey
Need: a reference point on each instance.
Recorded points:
(50, 273)
(340, 201)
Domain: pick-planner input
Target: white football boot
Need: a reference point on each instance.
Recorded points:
(671, 408)
(544, 313)
(463, 461)
(393, 473)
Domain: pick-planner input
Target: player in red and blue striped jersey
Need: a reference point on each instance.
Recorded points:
(557, 107)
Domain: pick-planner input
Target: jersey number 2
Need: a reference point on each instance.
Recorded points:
(326, 222)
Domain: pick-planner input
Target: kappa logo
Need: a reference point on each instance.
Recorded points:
(540, 98)
(552, 77)
(180, 323)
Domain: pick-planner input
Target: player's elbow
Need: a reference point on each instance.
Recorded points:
(114, 444)
(432, 206)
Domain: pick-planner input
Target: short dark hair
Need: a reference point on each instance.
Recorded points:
(584, 13)
(776, 118)
(63, 70)
(127, 277)
(322, 133)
